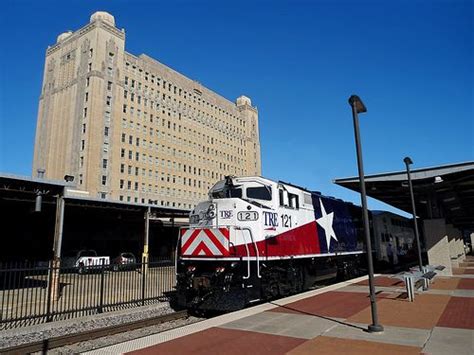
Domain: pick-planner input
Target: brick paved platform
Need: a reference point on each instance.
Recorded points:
(332, 320)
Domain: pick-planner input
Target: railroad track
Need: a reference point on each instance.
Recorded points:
(68, 339)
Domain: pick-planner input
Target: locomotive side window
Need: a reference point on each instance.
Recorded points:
(235, 193)
(293, 201)
(283, 195)
(288, 199)
(260, 193)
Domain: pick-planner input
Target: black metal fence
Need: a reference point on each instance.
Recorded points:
(34, 293)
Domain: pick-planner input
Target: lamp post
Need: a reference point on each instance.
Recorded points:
(408, 162)
(359, 107)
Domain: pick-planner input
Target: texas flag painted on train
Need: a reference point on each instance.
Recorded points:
(336, 231)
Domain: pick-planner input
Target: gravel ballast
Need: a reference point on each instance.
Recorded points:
(40, 332)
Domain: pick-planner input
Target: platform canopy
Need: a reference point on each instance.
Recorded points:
(445, 191)
(25, 189)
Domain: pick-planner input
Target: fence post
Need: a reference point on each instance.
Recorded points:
(101, 296)
(144, 272)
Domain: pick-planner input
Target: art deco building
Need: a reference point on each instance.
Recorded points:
(130, 128)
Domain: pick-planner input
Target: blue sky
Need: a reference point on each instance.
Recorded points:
(410, 61)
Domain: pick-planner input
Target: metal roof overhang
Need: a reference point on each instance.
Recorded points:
(23, 188)
(445, 191)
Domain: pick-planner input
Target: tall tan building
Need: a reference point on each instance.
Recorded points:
(130, 128)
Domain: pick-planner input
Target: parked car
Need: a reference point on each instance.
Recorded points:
(86, 261)
(124, 261)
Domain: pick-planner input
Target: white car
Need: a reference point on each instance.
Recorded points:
(87, 260)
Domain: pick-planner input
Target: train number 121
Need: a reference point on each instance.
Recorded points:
(286, 221)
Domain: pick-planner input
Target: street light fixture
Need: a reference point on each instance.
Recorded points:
(359, 107)
(408, 162)
(38, 201)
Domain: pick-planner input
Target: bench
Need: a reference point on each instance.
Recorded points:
(429, 275)
(415, 279)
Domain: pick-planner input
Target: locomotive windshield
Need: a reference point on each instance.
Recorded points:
(227, 192)
(227, 189)
(260, 193)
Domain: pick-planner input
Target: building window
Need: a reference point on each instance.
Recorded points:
(86, 97)
(121, 197)
(122, 153)
(137, 156)
(130, 140)
(80, 179)
(106, 131)
(136, 186)
(81, 160)
(103, 195)
(121, 184)
(85, 111)
(130, 154)
(88, 81)
(83, 128)
(104, 163)
(122, 168)
(91, 52)
(138, 142)
(89, 67)
(124, 110)
(83, 144)
(129, 185)
(104, 180)
(108, 101)
(109, 85)
(123, 137)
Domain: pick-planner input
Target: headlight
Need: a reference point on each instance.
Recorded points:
(211, 213)
(191, 268)
(234, 264)
(220, 269)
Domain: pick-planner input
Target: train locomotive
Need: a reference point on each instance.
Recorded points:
(256, 239)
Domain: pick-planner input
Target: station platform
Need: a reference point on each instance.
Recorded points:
(333, 320)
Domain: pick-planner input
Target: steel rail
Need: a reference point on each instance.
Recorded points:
(68, 339)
